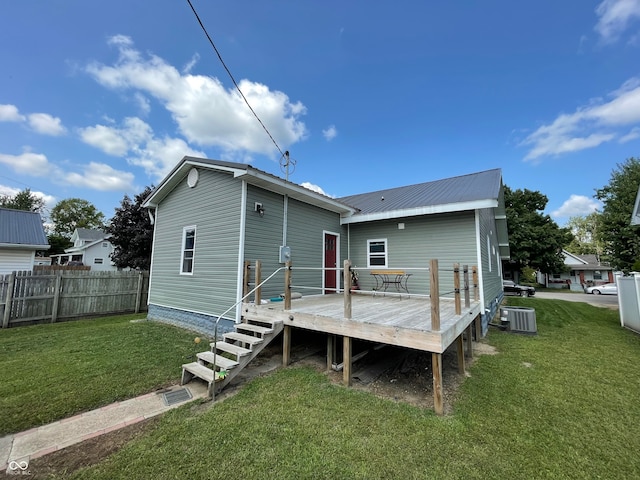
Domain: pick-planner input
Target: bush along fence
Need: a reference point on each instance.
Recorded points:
(37, 297)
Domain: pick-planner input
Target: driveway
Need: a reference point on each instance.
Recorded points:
(609, 301)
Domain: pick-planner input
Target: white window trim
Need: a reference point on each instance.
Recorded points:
(182, 249)
(98, 261)
(386, 252)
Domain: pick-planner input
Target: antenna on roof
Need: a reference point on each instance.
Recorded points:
(287, 165)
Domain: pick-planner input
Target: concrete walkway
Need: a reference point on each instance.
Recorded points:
(17, 450)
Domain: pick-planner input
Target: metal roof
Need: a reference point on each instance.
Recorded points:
(22, 228)
(466, 192)
(91, 234)
(252, 176)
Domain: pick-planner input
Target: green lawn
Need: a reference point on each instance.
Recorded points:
(562, 404)
(49, 372)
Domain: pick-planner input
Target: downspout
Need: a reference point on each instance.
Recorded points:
(241, 239)
(153, 219)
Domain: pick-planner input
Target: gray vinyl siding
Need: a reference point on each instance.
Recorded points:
(213, 206)
(490, 254)
(305, 237)
(264, 236)
(448, 238)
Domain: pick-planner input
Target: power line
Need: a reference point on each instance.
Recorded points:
(231, 76)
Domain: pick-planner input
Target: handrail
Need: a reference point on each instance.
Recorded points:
(215, 327)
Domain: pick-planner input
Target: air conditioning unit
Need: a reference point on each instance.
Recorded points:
(519, 319)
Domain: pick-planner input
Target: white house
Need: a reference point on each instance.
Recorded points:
(21, 235)
(91, 248)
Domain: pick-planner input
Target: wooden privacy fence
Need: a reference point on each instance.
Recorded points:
(27, 297)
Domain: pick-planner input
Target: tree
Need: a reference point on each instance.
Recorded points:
(535, 240)
(621, 240)
(132, 233)
(23, 200)
(73, 213)
(585, 235)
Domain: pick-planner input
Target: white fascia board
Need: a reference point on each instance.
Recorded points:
(18, 246)
(294, 191)
(172, 180)
(414, 212)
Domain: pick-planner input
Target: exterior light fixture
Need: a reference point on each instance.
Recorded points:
(259, 208)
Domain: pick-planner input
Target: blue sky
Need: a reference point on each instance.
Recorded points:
(99, 99)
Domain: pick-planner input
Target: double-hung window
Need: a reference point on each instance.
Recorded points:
(188, 250)
(377, 252)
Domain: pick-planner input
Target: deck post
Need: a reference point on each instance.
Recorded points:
(456, 287)
(331, 342)
(460, 349)
(286, 345)
(436, 366)
(347, 289)
(470, 341)
(247, 278)
(476, 291)
(346, 361)
(478, 324)
(467, 301)
(434, 293)
(258, 294)
(287, 286)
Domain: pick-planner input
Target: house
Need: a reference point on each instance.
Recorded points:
(211, 216)
(91, 247)
(581, 271)
(21, 235)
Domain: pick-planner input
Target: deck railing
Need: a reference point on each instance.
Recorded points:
(461, 285)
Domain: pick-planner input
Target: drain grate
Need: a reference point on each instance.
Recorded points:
(177, 396)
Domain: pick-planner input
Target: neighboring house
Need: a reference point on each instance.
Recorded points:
(581, 271)
(91, 247)
(21, 235)
(210, 216)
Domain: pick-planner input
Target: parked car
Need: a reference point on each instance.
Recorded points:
(606, 289)
(512, 288)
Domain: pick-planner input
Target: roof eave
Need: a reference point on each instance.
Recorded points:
(20, 246)
(426, 210)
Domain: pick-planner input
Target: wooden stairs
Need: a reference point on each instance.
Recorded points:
(231, 354)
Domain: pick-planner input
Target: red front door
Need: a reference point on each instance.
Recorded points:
(330, 256)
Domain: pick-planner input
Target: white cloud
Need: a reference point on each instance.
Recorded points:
(49, 200)
(143, 103)
(577, 205)
(135, 141)
(330, 133)
(206, 113)
(589, 126)
(46, 124)
(632, 135)
(10, 113)
(34, 164)
(315, 188)
(100, 176)
(614, 16)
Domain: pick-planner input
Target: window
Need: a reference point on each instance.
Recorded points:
(597, 275)
(97, 261)
(188, 250)
(105, 244)
(377, 253)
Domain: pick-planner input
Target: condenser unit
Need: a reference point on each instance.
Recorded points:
(519, 319)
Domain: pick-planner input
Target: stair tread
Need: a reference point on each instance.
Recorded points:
(231, 348)
(254, 328)
(201, 371)
(223, 362)
(243, 338)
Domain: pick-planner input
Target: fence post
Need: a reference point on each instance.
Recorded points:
(139, 291)
(8, 300)
(476, 291)
(246, 278)
(434, 293)
(347, 289)
(56, 297)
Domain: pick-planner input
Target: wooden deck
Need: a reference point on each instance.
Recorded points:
(390, 320)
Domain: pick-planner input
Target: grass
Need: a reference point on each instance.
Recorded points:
(562, 404)
(49, 372)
